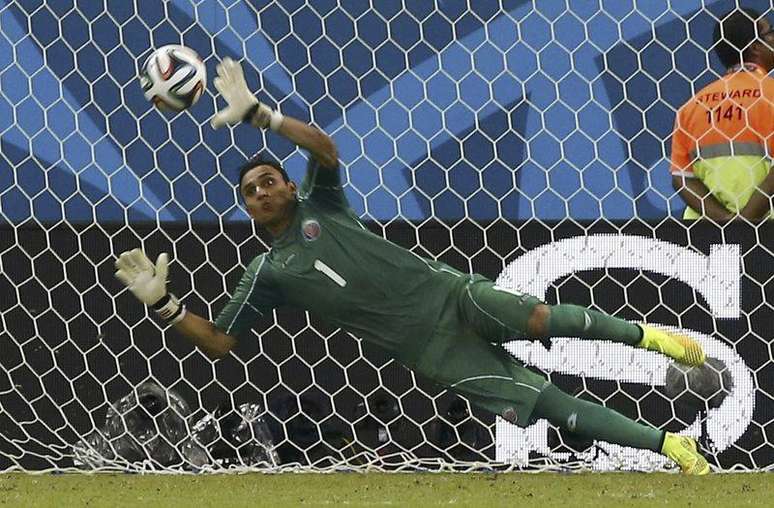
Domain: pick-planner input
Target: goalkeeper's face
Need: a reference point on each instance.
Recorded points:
(269, 198)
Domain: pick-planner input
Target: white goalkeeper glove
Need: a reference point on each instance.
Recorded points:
(148, 283)
(243, 106)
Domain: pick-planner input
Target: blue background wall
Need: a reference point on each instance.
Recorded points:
(499, 110)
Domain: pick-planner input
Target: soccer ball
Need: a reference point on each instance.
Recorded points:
(699, 388)
(173, 77)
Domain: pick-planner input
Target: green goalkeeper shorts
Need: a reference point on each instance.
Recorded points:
(461, 355)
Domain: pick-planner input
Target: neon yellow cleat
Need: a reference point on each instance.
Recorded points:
(683, 450)
(683, 349)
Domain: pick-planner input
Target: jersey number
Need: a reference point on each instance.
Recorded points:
(330, 272)
(727, 113)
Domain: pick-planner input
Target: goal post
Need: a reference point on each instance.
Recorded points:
(526, 141)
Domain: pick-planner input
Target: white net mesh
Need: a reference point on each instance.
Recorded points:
(528, 143)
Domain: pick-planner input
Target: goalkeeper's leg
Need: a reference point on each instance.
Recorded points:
(598, 422)
(493, 380)
(499, 314)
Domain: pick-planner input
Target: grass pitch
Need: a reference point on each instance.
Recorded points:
(374, 489)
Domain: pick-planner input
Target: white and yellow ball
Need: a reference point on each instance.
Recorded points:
(173, 77)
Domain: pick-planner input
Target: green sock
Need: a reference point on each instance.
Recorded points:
(574, 321)
(594, 421)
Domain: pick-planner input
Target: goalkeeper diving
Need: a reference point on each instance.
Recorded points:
(443, 324)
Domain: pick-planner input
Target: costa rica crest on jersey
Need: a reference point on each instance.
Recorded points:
(310, 228)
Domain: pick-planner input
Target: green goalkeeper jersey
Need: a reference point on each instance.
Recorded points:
(328, 263)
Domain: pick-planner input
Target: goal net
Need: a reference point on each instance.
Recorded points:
(526, 141)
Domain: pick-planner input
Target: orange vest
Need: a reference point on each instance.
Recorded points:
(724, 135)
(731, 116)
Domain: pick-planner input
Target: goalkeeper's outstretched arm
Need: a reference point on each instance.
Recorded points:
(243, 106)
(148, 283)
(204, 335)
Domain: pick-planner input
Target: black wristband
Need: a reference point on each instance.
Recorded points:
(251, 113)
(169, 308)
(178, 313)
(162, 302)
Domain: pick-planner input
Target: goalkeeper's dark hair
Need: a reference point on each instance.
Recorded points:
(260, 160)
(734, 35)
